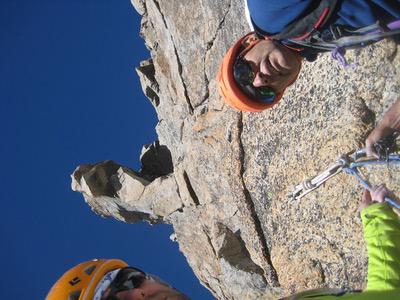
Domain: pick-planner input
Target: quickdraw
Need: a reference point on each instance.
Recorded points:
(349, 163)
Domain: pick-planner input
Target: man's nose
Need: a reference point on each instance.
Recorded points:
(136, 294)
(260, 80)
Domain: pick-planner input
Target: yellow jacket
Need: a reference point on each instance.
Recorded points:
(382, 238)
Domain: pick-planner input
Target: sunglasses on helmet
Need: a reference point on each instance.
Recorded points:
(127, 278)
(244, 76)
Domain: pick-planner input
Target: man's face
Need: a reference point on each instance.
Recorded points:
(151, 290)
(274, 65)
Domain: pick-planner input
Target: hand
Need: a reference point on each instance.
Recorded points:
(389, 123)
(377, 134)
(379, 192)
(376, 195)
(365, 201)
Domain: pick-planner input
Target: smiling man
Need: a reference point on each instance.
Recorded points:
(258, 68)
(111, 279)
(273, 65)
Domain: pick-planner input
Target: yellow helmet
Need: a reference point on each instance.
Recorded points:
(79, 283)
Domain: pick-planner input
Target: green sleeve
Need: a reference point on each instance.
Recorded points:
(382, 238)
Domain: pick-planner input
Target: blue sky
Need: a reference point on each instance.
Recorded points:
(70, 95)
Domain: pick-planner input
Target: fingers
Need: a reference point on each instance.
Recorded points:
(379, 192)
(376, 194)
(380, 132)
(366, 197)
(366, 200)
(370, 149)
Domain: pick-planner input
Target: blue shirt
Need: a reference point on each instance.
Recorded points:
(272, 16)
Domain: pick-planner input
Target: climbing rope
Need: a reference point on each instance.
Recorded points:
(349, 163)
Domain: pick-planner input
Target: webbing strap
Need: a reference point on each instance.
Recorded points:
(348, 42)
(305, 26)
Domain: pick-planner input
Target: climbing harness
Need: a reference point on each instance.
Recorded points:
(349, 163)
(337, 39)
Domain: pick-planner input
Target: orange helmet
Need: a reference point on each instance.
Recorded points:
(79, 283)
(229, 89)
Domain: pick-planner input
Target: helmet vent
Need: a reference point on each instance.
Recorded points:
(74, 281)
(74, 295)
(89, 270)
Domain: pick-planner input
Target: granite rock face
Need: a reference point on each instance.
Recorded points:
(221, 177)
(115, 191)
